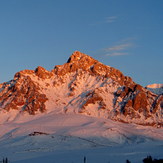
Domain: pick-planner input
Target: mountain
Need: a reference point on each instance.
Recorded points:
(84, 86)
(155, 88)
(74, 113)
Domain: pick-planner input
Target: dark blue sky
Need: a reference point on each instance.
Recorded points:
(127, 35)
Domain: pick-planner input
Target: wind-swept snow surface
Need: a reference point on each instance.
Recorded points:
(67, 138)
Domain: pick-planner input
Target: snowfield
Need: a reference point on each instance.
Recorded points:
(68, 138)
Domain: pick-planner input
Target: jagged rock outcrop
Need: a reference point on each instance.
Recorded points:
(86, 86)
(84, 62)
(43, 73)
(22, 94)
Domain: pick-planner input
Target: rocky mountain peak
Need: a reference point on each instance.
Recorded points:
(43, 73)
(23, 73)
(81, 61)
(77, 57)
(82, 85)
(76, 62)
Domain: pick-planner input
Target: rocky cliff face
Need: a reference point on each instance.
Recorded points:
(22, 94)
(85, 86)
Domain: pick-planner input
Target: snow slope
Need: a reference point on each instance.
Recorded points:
(67, 138)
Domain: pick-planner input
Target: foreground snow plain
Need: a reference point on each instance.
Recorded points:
(68, 138)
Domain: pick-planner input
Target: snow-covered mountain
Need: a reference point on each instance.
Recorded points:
(82, 85)
(81, 109)
(155, 85)
(155, 88)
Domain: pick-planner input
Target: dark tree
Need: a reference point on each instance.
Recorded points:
(6, 160)
(148, 159)
(84, 159)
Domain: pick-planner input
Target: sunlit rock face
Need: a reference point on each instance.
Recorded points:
(22, 94)
(85, 86)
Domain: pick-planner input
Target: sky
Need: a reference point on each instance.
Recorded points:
(127, 35)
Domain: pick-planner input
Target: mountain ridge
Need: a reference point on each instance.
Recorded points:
(82, 85)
